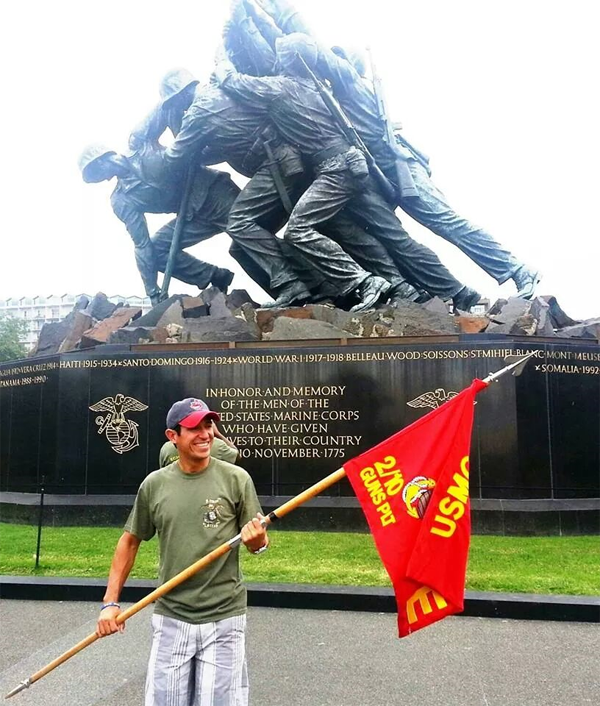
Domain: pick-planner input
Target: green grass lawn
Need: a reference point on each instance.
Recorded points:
(549, 565)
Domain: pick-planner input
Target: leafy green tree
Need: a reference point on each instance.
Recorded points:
(11, 332)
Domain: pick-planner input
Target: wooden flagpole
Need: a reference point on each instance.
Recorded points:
(169, 585)
(313, 491)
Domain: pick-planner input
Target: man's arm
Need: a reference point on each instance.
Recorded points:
(137, 227)
(260, 51)
(193, 137)
(245, 44)
(149, 129)
(285, 15)
(339, 72)
(254, 534)
(263, 22)
(252, 89)
(133, 219)
(123, 560)
(219, 435)
(229, 451)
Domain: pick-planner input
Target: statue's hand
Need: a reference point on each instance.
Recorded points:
(236, 17)
(269, 6)
(276, 8)
(221, 54)
(135, 142)
(238, 12)
(222, 70)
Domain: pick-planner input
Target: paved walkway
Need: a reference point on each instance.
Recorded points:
(317, 658)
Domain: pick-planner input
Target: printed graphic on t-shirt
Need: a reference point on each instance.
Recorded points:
(213, 512)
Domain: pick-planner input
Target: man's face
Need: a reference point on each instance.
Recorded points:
(194, 445)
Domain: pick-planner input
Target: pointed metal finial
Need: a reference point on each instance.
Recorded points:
(23, 685)
(517, 367)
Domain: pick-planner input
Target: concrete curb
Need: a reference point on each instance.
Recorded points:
(519, 606)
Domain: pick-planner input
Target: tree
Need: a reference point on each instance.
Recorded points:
(11, 332)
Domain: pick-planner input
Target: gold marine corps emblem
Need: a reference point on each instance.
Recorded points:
(417, 494)
(121, 433)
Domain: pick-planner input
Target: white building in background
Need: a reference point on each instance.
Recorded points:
(40, 310)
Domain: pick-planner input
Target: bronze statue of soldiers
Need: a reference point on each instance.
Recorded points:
(423, 201)
(143, 186)
(328, 164)
(267, 199)
(210, 128)
(341, 174)
(216, 128)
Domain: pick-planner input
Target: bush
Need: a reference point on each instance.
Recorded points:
(11, 332)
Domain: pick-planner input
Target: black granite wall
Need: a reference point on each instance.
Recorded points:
(297, 413)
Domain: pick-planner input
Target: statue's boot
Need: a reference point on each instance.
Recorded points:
(526, 280)
(221, 279)
(406, 292)
(424, 297)
(465, 299)
(370, 291)
(291, 294)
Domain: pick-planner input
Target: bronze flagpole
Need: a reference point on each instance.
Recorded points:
(179, 227)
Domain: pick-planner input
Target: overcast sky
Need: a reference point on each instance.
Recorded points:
(499, 94)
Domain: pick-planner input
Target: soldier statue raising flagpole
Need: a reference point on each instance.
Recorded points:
(328, 167)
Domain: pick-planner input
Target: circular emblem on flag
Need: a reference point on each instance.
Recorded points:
(417, 494)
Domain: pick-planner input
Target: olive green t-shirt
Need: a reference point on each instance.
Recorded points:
(192, 515)
(219, 449)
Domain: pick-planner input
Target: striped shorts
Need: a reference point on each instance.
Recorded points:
(197, 665)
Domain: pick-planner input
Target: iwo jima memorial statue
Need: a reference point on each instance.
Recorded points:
(367, 329)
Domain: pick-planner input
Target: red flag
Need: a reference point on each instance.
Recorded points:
(414, 491)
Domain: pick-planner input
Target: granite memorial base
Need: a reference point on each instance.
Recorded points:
(88, 425)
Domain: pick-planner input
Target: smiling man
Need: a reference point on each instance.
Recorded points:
(194, 505)
(222, 448)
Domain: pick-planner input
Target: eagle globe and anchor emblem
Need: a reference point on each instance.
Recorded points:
(433, 399)
(121, 433)
(417, 495)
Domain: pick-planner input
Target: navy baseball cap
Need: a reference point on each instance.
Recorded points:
(189, 413)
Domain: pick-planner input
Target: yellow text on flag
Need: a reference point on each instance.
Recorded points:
(452, 506)
(422, 597)
(382, 481)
